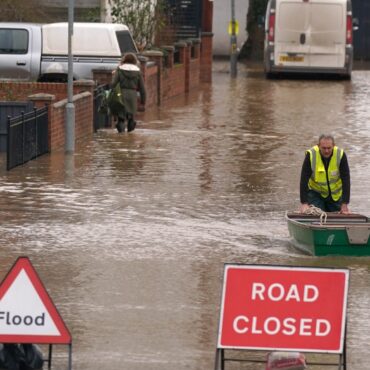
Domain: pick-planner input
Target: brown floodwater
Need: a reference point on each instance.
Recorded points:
(130, 234)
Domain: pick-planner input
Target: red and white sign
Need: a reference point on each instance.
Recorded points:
(27, 314)
(283, 308)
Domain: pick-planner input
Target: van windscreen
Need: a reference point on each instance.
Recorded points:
(126, 43)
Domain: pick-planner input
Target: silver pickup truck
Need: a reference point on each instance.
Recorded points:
(39, 52)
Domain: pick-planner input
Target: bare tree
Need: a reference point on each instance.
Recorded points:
(253, 48)
(143, 17)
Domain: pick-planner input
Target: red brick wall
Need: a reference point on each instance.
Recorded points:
(151, 86)
(84, 108)
(173, 81)
(194, 73)
(83, 120)
(206, 57)
(19, 91)
(56, 127)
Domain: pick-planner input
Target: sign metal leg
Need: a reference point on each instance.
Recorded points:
(70, 356)
(50, 355)
(217, 359)
(222, 359)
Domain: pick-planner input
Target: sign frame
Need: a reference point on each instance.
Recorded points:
(24, 266)
(223, 346)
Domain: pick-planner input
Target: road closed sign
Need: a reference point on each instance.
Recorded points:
(27, 314)
(283, 308)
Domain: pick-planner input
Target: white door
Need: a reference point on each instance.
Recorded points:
(327, 34)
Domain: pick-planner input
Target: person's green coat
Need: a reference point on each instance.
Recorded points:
(131, 81)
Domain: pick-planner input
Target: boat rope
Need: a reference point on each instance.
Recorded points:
(315, 211)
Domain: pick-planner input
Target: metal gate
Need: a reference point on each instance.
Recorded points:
(361, 37)
(186, 18)
(27, 137)
(10, 108)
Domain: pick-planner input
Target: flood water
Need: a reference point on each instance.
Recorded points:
(130, 234)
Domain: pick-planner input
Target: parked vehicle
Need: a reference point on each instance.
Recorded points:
(308, 36)
(35, 52)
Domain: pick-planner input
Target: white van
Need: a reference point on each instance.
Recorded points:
(308, 36)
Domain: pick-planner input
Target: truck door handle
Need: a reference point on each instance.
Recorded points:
(302, 38)
(21, 63)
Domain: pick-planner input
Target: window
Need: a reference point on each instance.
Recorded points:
(126, 43)
(13, 41)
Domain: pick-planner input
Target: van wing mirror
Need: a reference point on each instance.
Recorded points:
(355, 24)
(261, 21)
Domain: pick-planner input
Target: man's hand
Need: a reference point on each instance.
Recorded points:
(344, 209)
(304, 207)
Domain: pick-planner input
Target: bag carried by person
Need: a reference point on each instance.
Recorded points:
(103, 106)
(32, 357)
(115, 101)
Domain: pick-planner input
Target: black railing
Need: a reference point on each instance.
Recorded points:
(10, 108)
(186, 18)
(27, 137)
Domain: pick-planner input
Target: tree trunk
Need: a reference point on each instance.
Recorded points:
(253, 48)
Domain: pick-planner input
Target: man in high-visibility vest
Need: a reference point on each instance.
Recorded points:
(325, 178)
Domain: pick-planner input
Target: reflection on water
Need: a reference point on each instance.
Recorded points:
(130, 234)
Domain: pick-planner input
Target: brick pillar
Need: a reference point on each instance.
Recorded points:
(84, 85)
(196, 48)
(181, 45)
(39, 101)
(143, 65)
(157, 57)
(207, 15)
(207, 42)
(169, 49)
(189, 45)
(102, 76)
(206, 57)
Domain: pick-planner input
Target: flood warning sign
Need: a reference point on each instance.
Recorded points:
(27, 314)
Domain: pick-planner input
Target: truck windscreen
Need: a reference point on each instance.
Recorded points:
(126, 43)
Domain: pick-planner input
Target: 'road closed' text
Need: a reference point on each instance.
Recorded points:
(288, 326)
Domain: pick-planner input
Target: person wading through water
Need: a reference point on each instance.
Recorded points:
(129, 77)
(325, 177)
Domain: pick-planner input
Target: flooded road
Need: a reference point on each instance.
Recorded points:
(130, 235)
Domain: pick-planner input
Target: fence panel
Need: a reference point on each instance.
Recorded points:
(27, 137)
(10, 108)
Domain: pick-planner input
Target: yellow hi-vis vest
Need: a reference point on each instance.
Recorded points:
(318, 181)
